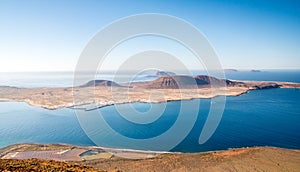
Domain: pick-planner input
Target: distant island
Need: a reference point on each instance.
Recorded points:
(230, 70)
(162, 73)
(100, 93)
(235, 70)
(255, 70)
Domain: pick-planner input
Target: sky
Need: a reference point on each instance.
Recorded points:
(50, 35)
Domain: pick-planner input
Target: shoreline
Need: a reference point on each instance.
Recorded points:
(111, 149)
(245, 159)
(90, 98)
(78, 107)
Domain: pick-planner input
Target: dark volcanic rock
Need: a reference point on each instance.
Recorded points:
(182, 81)
(178, 81)
(267, 86)
(202, 80)
(173, 82)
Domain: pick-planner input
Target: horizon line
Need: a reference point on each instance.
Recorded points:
(238, 69)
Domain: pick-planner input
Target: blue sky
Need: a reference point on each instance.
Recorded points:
(50, 35)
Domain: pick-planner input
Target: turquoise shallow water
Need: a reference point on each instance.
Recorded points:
(260, 118)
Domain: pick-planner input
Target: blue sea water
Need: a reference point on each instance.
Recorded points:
(22, 123)
(260, 118)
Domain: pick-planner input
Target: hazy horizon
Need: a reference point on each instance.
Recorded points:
(227, 69)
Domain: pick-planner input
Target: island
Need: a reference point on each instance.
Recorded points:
(100, 93)
(231, 70)
(255, 70)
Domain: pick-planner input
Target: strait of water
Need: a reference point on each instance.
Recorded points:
(260, 118)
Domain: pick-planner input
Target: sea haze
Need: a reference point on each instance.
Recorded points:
(65, 79)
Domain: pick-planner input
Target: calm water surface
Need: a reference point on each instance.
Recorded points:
(259, 118)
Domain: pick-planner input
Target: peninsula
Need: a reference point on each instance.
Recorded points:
(100, 93)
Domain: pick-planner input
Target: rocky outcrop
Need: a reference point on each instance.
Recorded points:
(169, 82)
(267, 86)
(180, 81)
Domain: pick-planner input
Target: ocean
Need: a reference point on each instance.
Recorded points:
(259, 118)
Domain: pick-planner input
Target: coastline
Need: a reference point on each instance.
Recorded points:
(89, 97)
(249, 158)
(116, 151)
(60, 144)
(243, 158)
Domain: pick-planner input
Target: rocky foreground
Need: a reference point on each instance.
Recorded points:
(243, 159)
(99, 93)
(38, 165)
